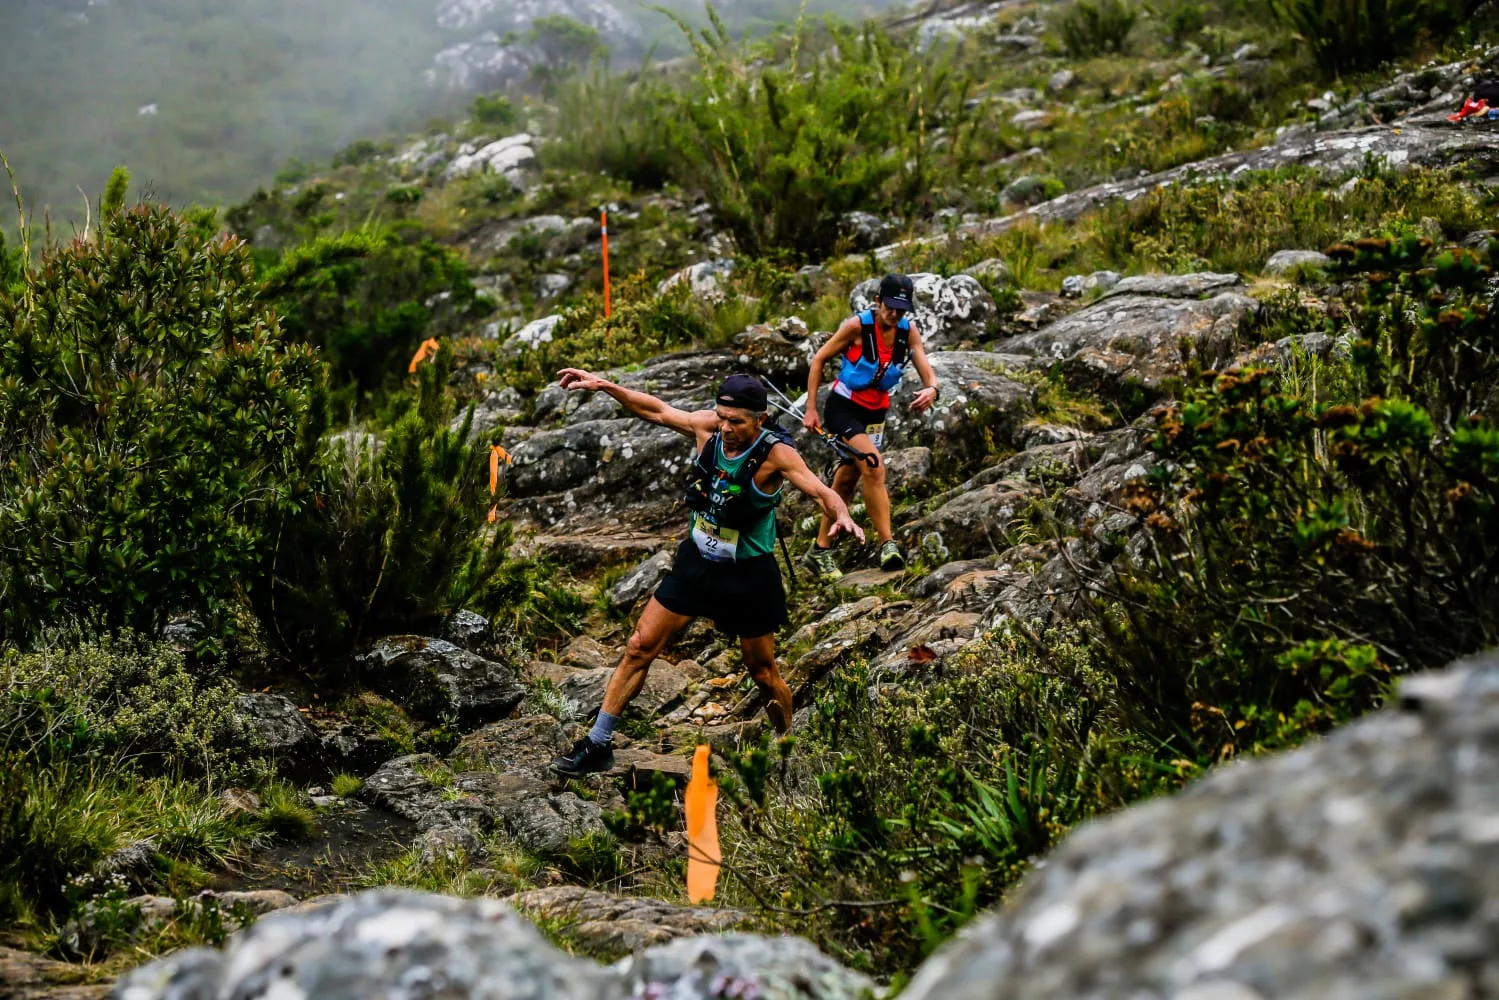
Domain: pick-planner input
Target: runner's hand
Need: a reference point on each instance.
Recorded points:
(845, 526)
(577, 378)
(924, 400)
(811, 421)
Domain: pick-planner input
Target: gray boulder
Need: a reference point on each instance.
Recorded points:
(1360, 866)
(1077, 285)
(978, 522)
(639, 581)
(393, 943)
(742, 965)
(864, 230)
(704, 280)
(622, 923)
(977, 396)
(535, 333)
(946, 310)
(386, 943)
(511, 156)
(991, 269)
(433, 678)
(1283, 261)
(1130, 339)
(623, 456)
(468, 629)
(405, 786)
(1027, 189)
(274, 722)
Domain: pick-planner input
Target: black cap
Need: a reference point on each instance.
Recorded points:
(744, 391)
(896, 291)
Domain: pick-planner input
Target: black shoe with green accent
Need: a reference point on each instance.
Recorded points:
(890, 556)
(586, 757)
(824, 566)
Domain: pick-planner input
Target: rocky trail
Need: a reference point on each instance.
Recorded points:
(1361, 854)
(1350, 868)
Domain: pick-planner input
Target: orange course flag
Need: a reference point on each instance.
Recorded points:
(495, 454)
(427, 350)
(703, 855)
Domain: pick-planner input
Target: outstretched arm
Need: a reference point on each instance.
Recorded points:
(788, 463)
(928, 395)
(642, 405)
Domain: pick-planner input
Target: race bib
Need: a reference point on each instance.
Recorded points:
(720, 545)
(876, 434)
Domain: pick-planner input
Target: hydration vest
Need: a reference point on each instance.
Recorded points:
(725, 499)
(869, 372)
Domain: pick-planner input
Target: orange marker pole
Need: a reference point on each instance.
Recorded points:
(604, 223)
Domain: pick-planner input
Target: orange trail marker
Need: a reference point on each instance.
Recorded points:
(604, 223)
(427, 350)
(495, 454)
(703, 855)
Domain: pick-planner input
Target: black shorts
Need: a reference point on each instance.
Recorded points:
(744, 599)
(844, 418)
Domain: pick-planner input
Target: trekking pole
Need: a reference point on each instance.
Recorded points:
(786, 554)
(833, 441)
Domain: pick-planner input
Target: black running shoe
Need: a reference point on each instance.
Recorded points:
(586, 757)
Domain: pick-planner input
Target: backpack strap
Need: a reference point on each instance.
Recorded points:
(757, 456)
(902, 347)
(868, 341)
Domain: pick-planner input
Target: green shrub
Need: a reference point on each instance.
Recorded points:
(345, 784)
(784, 147)
(150, 426)
(494, 111)
(615, 125)
(1088, 28)
(366, 301)
(1235, 225)
(912, 809)
(136, 699)
(641, 324)
(1345, 35)
(389, 537)
(1310, 534)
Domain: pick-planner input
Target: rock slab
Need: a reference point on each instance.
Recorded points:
(1366, 865)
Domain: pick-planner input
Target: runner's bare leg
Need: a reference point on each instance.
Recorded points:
(653, 631)
(760, 662)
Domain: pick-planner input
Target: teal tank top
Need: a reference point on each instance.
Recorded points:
(759, 538)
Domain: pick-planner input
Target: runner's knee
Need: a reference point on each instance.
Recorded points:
(763, 674)
(641, 648)
(873, 472)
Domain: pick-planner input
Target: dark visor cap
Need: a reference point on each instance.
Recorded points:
(896, 291)
(743, 391)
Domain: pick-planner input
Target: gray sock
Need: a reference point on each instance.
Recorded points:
(603, 728)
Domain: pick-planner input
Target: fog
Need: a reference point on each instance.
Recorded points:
(204, 100)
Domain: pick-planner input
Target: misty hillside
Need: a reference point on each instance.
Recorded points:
(318, 567)
(206, 99)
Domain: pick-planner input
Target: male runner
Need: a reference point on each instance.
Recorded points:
(725, 569)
